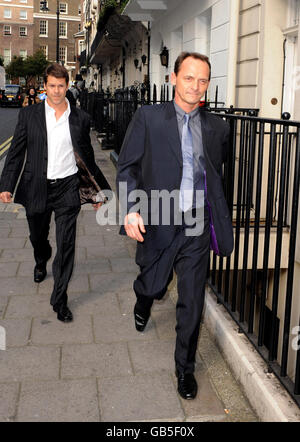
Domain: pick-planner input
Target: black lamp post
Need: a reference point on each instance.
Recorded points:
(44, 8)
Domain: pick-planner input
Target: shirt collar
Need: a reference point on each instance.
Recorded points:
(51, 111)
(181, 113)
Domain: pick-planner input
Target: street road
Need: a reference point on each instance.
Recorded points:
(8, 121)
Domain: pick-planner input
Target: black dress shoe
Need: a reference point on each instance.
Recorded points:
(187, 385)
(39, 273)
(141, 318)
(64, 314)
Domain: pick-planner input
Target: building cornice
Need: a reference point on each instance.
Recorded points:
(54, 17)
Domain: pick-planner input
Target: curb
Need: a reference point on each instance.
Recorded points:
(267, 396)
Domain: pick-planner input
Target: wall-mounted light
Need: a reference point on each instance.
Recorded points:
(144, 59)
(136, 63)
(164, 57)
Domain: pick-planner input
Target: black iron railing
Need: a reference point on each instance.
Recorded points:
(256, 284)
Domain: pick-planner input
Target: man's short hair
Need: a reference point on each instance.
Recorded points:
(181, 57)
(57, 71)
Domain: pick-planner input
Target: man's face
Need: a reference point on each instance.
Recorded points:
(56, 89)
(191, 83)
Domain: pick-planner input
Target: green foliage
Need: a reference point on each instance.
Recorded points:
(29, 68)
(1, 61)
(108, 9)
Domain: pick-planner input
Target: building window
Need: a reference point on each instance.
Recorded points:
(62, 29)
(23, 15)
(79, 27)
(44, 48)
(7, 56)
(7, 13)
(23, 1)
(23, 53)
(44, 27)
(79, 10)
(23, 31)
(62, 53)
(6, 30)
(43, 4)
(63, 8)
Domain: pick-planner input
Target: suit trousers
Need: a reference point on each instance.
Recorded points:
(189, 257)
(62, 199)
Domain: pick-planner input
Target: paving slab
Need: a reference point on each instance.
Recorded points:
(12, 243)
(28, 306)
(94, 303)
(89, 266)
(49, 330)
(8, 268)
(154, 356)
(19, 285)
(29, 363)
(101, 360)
(8, 401)
(116, 282)
(120, 328)
(139, 398)
(59, 401)
(17, 255)
(17, 331)
(3, 304)
(165, 322)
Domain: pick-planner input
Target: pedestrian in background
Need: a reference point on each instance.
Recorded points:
(31, 97)
(53, 138)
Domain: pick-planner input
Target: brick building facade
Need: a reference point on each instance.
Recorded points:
(45, 31)
(16, 29)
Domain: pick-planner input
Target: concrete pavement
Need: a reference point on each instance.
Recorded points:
(97, 368)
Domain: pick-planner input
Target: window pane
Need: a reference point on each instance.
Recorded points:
(63, 8)
(23, 31)
(62, 53)
(7, 30)
(43, 27)
(23, 15)
(62, 29)
(7, 13)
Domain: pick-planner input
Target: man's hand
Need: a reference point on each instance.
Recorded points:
(134, 225)
(6, 197)
(97, 206)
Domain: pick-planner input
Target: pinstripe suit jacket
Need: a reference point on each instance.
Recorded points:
(30, 144)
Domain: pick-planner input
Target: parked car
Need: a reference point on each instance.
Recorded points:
(11, 95)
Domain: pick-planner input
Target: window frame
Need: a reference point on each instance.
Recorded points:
(46, 34)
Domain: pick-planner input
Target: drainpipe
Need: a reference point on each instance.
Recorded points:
(233, 52)
(283, 75)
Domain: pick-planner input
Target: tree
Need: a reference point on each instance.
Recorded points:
(29, 68)
(35, 65)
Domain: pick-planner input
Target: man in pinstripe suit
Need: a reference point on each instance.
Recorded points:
(52, 136)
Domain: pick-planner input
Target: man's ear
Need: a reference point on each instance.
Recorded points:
(173, 79)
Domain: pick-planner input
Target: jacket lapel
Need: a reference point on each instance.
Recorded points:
(207, 132)
(74, 127)
(41, 121)
(172, 132)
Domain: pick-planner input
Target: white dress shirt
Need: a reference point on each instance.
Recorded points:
(61, 158)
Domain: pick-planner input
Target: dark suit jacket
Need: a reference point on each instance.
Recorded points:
(151, 158)
(30, 142)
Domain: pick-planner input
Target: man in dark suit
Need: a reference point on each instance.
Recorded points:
(177, 147)
(53, 139)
